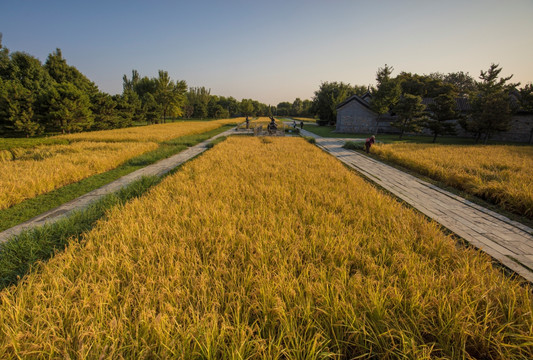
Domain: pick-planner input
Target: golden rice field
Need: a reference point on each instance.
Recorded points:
(44, 168)
(248, 253)
(28, 172)
(502, 174)
(157, 133)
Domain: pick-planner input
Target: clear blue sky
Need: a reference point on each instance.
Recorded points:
(273, 50)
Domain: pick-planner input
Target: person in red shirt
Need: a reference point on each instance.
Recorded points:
(369, 142)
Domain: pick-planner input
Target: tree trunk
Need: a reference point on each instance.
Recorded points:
(377, 124)
(435, 138)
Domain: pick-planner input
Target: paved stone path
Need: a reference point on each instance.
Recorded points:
(507, 241)
(158, 169)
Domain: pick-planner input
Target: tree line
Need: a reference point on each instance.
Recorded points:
(420, 102)
(55, 97)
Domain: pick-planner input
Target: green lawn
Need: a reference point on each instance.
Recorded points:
(328, 131)
(10, 143)
(26, 210)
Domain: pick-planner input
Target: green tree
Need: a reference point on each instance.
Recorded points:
(327, 97)
(69, 108)
(16, 109)
(247, 107)
(307, 108)
(198, 98)
(526, 103)
(105, 114)
(169, 95)
(440, 112)
(128, 84)
(4, 60)
(284, 108)
(297, 107)
(151, 108)
(526, 98)
(410, 112)
(491, 104)
(29, 72)
(387, 93)
(62, 73)
(464, 83)
(129, 108)
(230, 104)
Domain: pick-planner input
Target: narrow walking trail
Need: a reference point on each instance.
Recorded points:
(158, 169)
(507, 241)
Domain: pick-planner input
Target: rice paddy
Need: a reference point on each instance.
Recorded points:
(502, 174)
(266, 248)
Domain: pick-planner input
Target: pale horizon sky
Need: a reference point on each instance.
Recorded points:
(277, 50)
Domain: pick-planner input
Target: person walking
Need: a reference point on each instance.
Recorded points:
(368, 143)
(301, 124)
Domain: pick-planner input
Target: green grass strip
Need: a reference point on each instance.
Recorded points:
(11, 143)
(329, 132)
(19, 254)
(30, 208)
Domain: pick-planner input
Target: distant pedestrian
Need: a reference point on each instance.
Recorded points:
(301, 124)
(368, 143)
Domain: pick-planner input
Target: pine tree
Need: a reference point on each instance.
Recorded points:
(441, 111)
(387, 93)
(410, 112)
(491, 105)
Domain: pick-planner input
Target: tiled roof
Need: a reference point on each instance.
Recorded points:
(462, 103)
(354, 98)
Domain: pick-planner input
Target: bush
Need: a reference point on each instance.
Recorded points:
(354, 145)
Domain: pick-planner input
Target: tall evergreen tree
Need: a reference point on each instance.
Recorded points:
(440, 112)
(62, 73)
(491, 104)
(105, 113)
(16, 109)
(410, 112)
(69, 108)
(387, 93)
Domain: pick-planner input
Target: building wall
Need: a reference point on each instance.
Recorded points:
(520, 131)
(355, 118)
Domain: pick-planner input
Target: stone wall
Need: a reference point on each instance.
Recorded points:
(355, 118)
(520, 131)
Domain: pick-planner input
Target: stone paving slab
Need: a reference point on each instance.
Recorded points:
(507, 241)
(157, 169)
